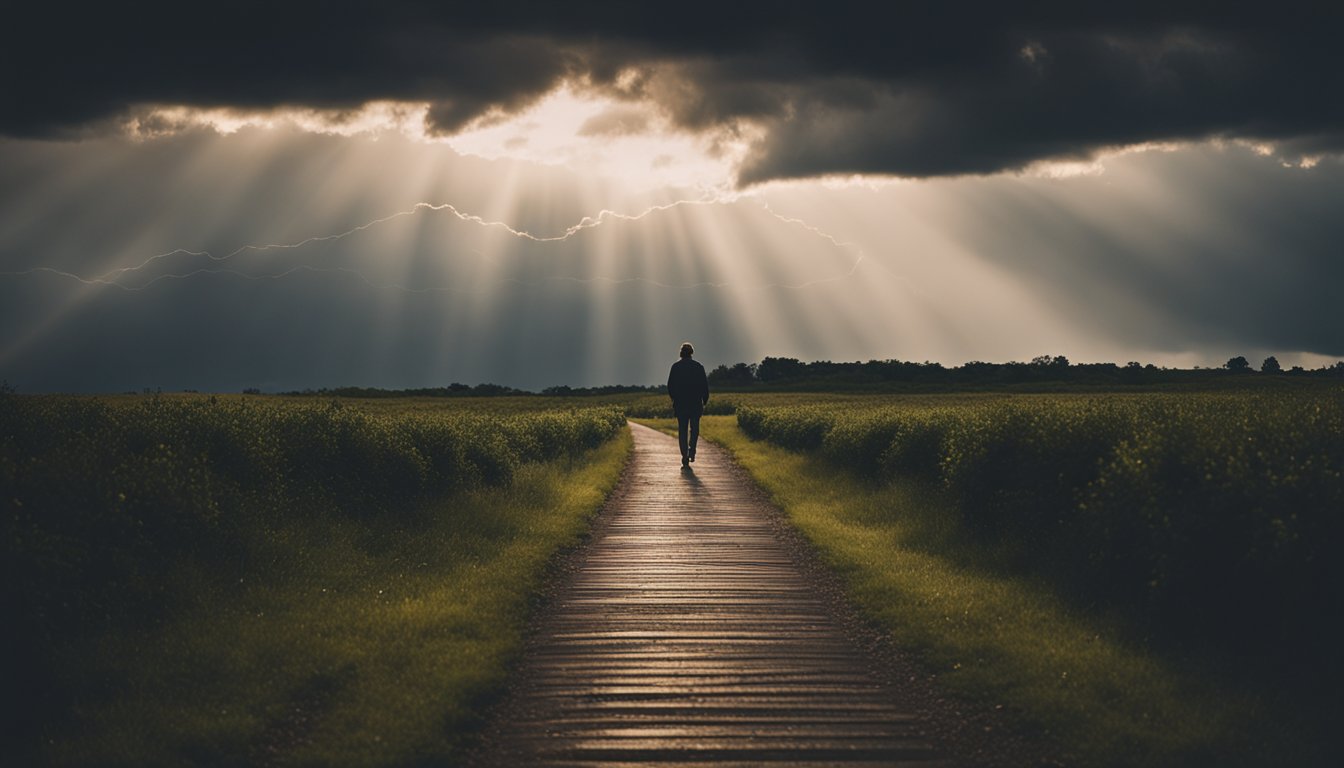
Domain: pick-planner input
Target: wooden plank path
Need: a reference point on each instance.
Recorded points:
(689, 635)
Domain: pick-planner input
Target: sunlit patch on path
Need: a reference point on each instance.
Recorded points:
(689, 634)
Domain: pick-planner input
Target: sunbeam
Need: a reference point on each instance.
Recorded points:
(114, 278)
(432, 261)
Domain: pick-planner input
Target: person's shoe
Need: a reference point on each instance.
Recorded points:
(685, 462)
(692, 457)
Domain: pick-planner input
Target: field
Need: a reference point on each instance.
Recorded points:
(1186, 511)
(1143, 578)
(1149, 577)
(259, 580)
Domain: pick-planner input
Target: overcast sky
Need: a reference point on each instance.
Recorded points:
(407, 194)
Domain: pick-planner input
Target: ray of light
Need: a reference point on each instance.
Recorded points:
(486, 298)
(114, 277)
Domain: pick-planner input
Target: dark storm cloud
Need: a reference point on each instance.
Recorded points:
(932, 89)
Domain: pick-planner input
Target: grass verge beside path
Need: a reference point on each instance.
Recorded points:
(1008, 641)
(377, 645)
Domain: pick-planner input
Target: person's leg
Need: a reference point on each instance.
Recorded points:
(695, 435)
(681, 434)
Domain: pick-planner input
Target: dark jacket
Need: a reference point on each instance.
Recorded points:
(688, 386)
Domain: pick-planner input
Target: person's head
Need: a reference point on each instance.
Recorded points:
(686, 349)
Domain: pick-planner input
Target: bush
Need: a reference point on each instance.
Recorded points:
(1191, 512)
(101, 499)
(800, 428)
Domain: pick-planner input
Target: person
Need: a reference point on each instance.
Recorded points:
(688, 386)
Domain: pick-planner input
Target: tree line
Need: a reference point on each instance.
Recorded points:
(783, 372)
(792, 373)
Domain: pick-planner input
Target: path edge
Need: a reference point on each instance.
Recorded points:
(483, 749)
(970, 734)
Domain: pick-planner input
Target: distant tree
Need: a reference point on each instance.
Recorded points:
(1237, 364)
(739, 375)
(778, 368)
(251, 391)
(1271, 365)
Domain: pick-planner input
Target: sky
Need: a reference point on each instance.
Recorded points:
(407, 194)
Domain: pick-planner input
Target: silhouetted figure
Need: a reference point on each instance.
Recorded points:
(688, 387)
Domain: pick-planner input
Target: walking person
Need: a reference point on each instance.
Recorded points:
(688, 386)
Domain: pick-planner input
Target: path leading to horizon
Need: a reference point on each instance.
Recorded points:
(690, 635)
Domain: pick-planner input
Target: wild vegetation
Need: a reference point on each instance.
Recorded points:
(303, 580)
(254, 579)
(1185, 510)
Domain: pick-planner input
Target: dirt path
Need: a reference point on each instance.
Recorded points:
(689, 634)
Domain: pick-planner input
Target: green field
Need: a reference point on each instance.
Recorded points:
(1139, 578)
(1149, 579)
(243, 580)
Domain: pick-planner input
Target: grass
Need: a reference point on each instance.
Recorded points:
(361, 642)
(1009, 640)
